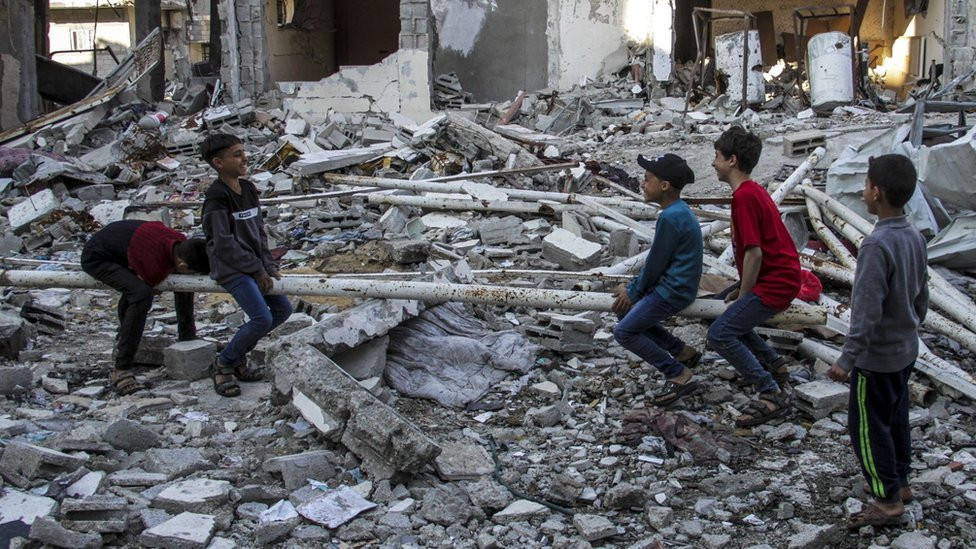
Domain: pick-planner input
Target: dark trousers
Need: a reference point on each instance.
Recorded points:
(134, 305)
(640, 332)
(878, 424)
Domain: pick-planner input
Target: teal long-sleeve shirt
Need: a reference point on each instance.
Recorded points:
(674, 263)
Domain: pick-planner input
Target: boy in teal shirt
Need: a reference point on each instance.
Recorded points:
(667, 283)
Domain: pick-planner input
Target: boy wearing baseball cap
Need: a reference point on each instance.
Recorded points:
(667, 283)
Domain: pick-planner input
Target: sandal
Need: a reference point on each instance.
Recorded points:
(759, 411)
(690, 363)
(228, 387)
(872, 515)
(244, 372)
(905, 493)
(780, 370)
(124, 382)
(673, 391)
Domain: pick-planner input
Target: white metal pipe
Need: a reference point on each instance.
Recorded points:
(427, 291)
(504, 206)
(430, 186)
(609, 225)
(601, 209)
(829, 239)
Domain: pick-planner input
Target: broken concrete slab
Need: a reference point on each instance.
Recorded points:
(16, 380)
(36, 207)
(821, 398)
(184, 531)
(23, 507)
(366, 360)
(198, 495)
(297, 469)
(336, 508)
(22, 462)
(176, 462)
(405, 252)
(384, 440)
(315, 163)
(570, 251)
(503, 230)
(521, 510)
(49, 531)
(594, 527)
(189, 360)
(461, 461)
(130, 436)
(86, 486)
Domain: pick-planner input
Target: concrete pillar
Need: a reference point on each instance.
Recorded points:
(148, 16)
(18, 72)
(215, 27)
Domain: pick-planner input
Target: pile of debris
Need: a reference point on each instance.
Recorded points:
(395, 415)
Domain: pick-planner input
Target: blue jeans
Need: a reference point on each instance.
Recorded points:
(639, 331)
(264, 312)
(732, 337)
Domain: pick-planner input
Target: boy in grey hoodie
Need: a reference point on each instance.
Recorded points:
(888, 302)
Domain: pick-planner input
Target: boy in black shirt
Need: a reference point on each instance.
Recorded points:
(240, 260)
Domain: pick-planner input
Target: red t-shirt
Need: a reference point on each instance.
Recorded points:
(756, 221)
(150, 251)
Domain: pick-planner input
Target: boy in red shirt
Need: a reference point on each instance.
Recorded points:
(769, 278)
(132, 257)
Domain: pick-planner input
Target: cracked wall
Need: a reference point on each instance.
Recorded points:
(18, 76)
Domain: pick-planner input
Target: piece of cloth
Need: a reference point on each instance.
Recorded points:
(236, 241)
(889, 300)
(105, 257)
(264, 313)
(810, 287)
(682, 432)
(448, 355)
(673, 267)
(877, 421)
(733, 338)
(640, 332)
(756, 222)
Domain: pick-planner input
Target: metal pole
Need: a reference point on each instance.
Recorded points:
(505, 206)
(427, 291)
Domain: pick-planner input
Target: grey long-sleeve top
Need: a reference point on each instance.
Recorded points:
(889, 300)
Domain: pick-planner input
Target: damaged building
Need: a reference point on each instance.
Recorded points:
(451, 190)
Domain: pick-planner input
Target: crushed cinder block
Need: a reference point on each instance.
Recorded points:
(820, 398)
(106, 514)
(197, 495)
(461, 461)
(623, 243)
(47, 320)
(405, 252)
(22, 462)
(16, 380)
(296, 469)
(805, 142)
(184, 531)
(379, 435)
(36, 207)
(49, 531)
(189, 360)
(565, 333)
(569, 251)
(501, 230)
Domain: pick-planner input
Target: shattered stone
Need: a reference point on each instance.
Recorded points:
(405, 252)
(459, 461)
(487, 494)
(130, 436)
(184, 531)
(520, 510)
(22, 462)
(594, 527)
(723, 486)
(366, 360)
(176, 462)
(659, 517)
(49, 531)
(16, 380)
(624, 496)
(446, 506)
(569, 251)
(199, 495)
(296, 469)
(15, 335)
(816, 536)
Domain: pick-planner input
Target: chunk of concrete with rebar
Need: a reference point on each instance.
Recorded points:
(385, 441)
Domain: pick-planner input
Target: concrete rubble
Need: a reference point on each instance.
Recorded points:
(562, 449)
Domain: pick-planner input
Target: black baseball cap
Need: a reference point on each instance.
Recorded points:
(668, 167)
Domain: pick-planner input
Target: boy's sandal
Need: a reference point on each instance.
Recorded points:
(245, 372)
(779, 370)
(905, 493)
(673, 391)
(228, 387)
(124, 382)
(872, 515)
(768, 406)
